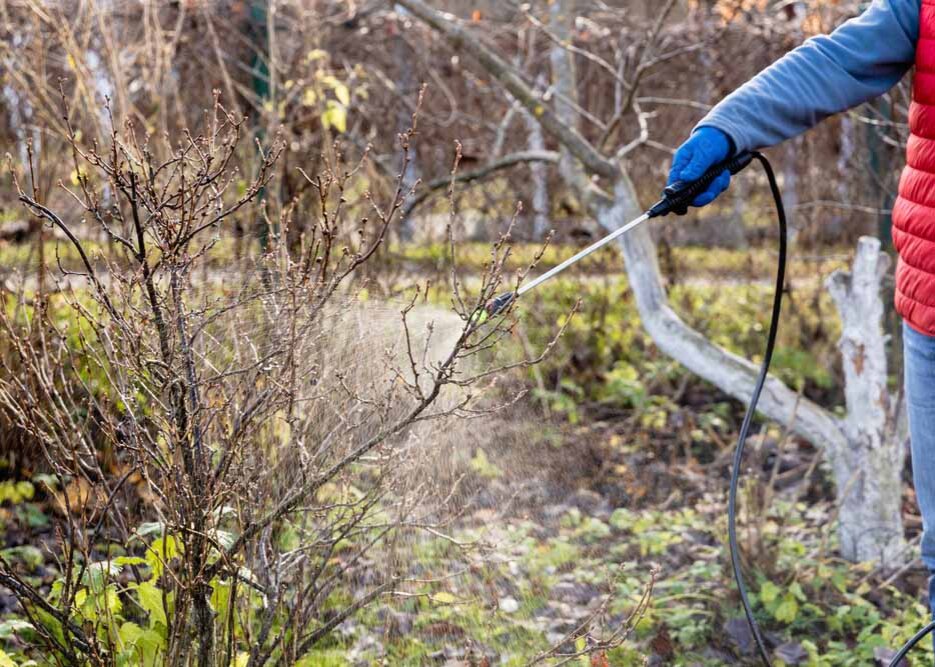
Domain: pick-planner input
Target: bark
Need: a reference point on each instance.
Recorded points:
(869, 470)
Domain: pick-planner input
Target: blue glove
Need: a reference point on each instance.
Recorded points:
(705, 147)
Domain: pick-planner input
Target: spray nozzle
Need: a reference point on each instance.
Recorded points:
(494, 306)
(677, 196)
(499, 304)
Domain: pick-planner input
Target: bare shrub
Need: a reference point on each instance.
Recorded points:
(228, 447)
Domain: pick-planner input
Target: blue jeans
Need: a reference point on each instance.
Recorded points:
(919, 351)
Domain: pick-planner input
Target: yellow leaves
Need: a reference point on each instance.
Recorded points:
(16, 492)
(342, 93)
(339, 88)
(334, 116)
(5, 660)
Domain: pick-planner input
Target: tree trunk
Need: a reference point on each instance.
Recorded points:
(868, 471)
(540, 185)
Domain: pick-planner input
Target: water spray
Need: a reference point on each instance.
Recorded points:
(675, 199)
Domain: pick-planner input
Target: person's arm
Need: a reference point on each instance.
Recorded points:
(862, 59)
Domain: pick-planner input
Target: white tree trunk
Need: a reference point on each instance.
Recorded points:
(540, 184)
(868, 471)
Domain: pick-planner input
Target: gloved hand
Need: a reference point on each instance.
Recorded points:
(705, 147)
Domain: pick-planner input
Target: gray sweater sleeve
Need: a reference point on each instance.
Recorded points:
(863, 58)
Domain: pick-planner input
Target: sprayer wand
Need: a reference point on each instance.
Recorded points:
(675, 199)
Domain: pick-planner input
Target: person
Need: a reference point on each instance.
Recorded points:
(828, 74)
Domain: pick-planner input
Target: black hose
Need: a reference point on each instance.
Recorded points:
(916, 638)
(751, 410)
(745, 427)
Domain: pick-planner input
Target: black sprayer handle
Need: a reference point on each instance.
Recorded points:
(677, 196)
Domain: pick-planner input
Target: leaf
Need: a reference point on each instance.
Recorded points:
(25, 490)
(5, 660)
(242, 659)
(342, 93)
(130, 633)
(142, 647)
(444, 597)
(225, 538)
(123, 561)
(150, 528)
(791, 653)
(334, 116)
(768, 592)
(96, 575)
(220, 598)
(309, 97)
(50, 481)
(797, 591)
(162, 550)
(150, 598)
(112, 602)
(787, 610)
(96, 604)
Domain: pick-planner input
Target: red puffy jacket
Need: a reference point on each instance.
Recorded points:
(914, 210)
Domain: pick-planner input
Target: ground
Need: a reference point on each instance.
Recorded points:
(595, 509)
